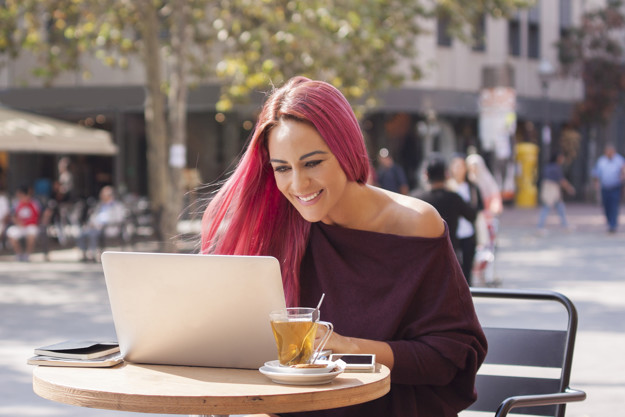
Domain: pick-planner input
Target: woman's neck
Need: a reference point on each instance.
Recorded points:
(357, 208)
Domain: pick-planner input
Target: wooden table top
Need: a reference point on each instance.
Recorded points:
(196, 390)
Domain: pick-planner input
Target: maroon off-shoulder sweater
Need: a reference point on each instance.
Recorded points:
(409, 292)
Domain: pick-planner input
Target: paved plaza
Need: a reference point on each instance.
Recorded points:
(45, 302)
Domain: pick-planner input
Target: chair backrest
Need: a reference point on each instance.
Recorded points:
(531, 336)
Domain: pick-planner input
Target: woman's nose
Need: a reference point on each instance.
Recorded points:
(300, 180)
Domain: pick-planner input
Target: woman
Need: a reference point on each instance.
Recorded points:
(550, 191)
(486, 223)
(479, 174)
(393, 285)
(465, 233)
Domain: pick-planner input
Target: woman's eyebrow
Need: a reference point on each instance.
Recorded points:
(309, 154)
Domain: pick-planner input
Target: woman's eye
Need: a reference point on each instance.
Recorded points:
(281, 168)
(311, 164)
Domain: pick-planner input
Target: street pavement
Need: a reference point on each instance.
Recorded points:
(46, 302)
(588, 265)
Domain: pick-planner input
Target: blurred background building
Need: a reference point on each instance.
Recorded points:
(500, 91)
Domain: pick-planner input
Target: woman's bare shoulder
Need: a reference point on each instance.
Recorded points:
(409, 216)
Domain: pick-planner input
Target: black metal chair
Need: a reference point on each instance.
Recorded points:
(543, 355)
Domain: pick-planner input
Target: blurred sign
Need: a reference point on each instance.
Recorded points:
(546, 134)
(178, 156)
(497, 120)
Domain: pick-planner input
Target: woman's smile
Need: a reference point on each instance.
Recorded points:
(310, 197)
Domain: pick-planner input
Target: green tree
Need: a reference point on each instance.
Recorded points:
(361, 46)
(593, 51)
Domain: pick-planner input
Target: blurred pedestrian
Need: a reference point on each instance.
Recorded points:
(609, 176)
(5, 214)
(479, 174)
(65, 181)
(551, 186)
(470, 193)
(62, 200)
(106, 218)
(486, 223)
(391, 176)
(449, 204)
(25, 219)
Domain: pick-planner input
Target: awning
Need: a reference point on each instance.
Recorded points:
(27, 132)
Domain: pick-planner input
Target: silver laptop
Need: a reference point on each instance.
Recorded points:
(195, 310)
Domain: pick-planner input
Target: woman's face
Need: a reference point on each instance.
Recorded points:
(458, 169)
(306, 171)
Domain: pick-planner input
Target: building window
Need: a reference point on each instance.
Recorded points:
(533, 32)
(514, 37)
(443, 38)
(533, 41)
(566, 20)
(479, 34)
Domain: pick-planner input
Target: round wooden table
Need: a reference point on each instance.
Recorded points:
(200, 391)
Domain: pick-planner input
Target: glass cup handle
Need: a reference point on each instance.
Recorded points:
(329, 329)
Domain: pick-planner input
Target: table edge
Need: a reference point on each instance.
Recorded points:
(144, 403)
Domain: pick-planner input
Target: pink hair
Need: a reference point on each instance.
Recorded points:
(249, 215)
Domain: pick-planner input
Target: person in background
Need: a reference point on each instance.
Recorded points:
(470, 193)
(479, 174)
(550, 191)
(65, 191)
(448, 203)
(486, 224)
(392, 283)
(61, 202)
(609, 177)
(391, 176)
(106, 217)
(25, 225)
(42, 190)
(5, 215)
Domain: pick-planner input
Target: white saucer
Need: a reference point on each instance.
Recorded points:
(301, 378)
(274, 366)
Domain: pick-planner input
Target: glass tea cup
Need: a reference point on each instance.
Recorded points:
(294, 330)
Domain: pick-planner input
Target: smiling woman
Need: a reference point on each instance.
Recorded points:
(384, 260)
(250, 202)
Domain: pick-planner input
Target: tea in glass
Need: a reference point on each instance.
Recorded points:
(295, 331)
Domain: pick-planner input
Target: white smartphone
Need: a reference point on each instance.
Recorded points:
(356, 362)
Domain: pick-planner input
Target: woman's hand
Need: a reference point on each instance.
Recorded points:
(336, 343)
(343, 344)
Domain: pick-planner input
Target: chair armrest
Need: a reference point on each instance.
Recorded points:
(570, 395)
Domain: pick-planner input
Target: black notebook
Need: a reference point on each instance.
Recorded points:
(78, 349)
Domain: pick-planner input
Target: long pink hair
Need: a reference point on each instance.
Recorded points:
(249, 215)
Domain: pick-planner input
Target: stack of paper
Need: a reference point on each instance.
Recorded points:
(79, 353)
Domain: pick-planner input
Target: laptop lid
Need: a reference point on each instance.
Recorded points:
(196, 310)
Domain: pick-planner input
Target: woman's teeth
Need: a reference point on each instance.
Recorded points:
(310, 197)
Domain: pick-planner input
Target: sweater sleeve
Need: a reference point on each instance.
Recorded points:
(441, 344)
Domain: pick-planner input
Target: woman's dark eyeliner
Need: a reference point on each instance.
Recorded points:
(307, 164)
(312, 164)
